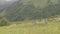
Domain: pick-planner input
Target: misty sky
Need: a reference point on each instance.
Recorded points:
(6, 3)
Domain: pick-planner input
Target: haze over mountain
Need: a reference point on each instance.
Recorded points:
(6, 3)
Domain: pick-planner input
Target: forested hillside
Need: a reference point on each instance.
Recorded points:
(31, 9)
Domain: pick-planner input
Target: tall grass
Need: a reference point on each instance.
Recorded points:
(28, 28)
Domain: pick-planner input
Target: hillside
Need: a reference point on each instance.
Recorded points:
(30, 17)
(32, 9)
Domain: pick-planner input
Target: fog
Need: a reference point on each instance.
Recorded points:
(6, 3)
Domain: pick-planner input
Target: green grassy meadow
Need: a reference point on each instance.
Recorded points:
(28, 28)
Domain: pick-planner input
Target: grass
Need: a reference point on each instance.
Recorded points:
(28, 28)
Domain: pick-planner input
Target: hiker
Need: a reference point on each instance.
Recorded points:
(46, 21)
(34, 22)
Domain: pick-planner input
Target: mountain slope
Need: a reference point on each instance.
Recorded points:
(32, 9)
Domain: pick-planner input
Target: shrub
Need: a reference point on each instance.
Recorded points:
(4, 22)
